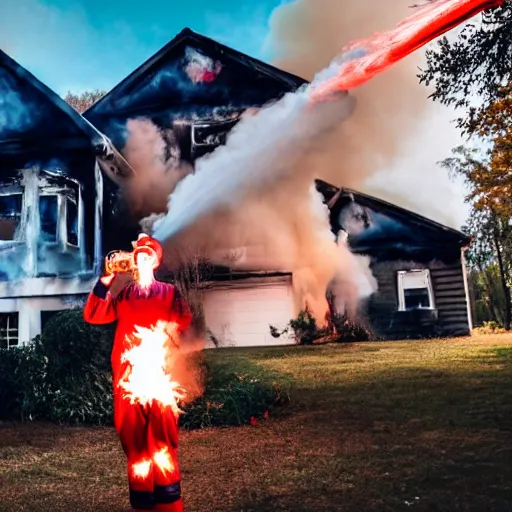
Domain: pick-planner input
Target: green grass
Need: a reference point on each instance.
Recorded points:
(373, 427)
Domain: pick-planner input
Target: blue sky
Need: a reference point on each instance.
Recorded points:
(93, 44)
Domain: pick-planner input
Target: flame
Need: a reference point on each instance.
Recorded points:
(164, 461)
(141, 469)
(146, 379)
(383, 50)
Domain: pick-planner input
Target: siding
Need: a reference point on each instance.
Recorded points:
(451, 317)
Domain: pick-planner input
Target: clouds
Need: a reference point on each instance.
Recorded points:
(60, 45)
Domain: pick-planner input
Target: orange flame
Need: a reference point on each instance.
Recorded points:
(147, 379)
(385, 49)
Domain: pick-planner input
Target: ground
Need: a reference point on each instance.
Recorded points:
(423, 425)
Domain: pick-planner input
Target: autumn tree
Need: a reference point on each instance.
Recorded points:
(476, 62)
(487, 173)
(490, 259)
(81, 102)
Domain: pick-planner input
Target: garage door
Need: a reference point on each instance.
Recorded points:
(242, 317)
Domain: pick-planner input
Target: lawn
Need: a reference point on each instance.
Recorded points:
(371, 427)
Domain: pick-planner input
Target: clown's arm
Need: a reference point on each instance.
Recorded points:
(100, 307)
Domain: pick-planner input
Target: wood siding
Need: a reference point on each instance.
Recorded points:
(450, 317)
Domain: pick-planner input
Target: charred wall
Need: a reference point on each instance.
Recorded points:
(449, 316)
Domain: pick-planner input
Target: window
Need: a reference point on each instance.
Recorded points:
(415, 290)
(8, 330)
(10, 215)
(71, 222)
(48, 211)
(46, 316)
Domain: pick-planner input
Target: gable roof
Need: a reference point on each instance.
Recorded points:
(396, 230)
(35, 122)
(32, 112)
(121, 97)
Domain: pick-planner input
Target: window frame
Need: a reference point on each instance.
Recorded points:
(63, 196)
(8, 329)
(68, 198)
(13, 190)
(51, 193)
(401, 288)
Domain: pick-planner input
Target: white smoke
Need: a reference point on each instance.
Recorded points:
(257, 194)
(391, 145)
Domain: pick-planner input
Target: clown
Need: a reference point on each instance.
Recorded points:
(147, 424)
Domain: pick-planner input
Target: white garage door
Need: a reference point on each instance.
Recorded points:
(242, 317)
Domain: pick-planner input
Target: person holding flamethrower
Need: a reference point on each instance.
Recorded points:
(151, 316)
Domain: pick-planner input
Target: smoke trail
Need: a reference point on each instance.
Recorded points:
(396, 135)
(252, 205)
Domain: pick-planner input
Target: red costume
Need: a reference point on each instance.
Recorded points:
(149, 430)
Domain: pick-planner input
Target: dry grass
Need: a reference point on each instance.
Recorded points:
(372, 427)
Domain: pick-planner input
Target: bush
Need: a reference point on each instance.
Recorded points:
(64, 376)
(233, 399)
(22, 382)
(339, 329)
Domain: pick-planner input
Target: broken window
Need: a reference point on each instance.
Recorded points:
(415, 290)
(10, 215)
(9, 334)
(49, 213)
(71, 222)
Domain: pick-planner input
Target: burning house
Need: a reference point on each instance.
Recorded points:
(51, 203)
(195, 91)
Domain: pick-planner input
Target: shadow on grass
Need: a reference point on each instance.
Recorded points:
(357, 438)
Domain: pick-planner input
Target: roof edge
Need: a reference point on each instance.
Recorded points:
(188, 33)
(464, 239)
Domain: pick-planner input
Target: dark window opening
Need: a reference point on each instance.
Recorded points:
(416, 298)
(72, 222)
(9, 334)
(48, 211)
(46, 316)
(10, 216)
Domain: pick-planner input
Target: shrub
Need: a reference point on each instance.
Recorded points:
(64, 376)
(22, 382)
(490, 327)
(339, 329)
(232, 399)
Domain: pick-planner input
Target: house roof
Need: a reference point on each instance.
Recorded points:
(392, 230)
(36, 123)
(25, 110)
(125, 97)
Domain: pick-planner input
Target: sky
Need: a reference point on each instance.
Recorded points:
(93, 44)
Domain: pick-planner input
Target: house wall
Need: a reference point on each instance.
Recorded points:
(451, 316)
(40, 277)
(240, 314)
(36, 295)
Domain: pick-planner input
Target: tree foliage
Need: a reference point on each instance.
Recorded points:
(478, 61)
(488, 173)
(81, 102)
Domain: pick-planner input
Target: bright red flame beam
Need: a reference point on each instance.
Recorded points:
(385, 49)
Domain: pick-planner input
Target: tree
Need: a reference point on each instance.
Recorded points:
(490, 177)
(490, 258)
(81, 102)
(476, 62)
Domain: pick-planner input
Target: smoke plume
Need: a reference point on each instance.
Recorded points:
(252, 203)
(156, 174)
(396, 134)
